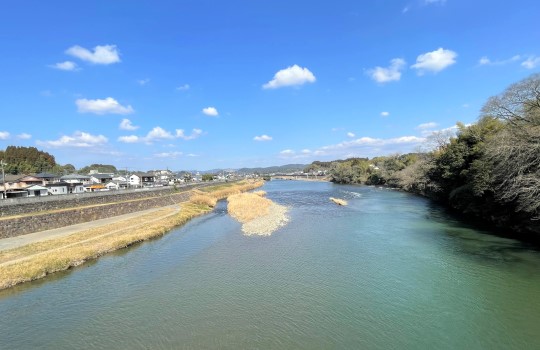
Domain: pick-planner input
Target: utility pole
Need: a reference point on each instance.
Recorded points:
(3, 164)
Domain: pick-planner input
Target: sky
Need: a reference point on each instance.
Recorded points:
(205, 84)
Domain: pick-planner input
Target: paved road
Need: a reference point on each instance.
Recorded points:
(19, 241)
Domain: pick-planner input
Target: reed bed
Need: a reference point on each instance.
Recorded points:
(339, 201)
(258, 215)
(39, 259)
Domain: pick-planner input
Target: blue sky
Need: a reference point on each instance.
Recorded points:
(212, 84)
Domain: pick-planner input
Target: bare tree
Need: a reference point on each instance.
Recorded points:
(515, 152)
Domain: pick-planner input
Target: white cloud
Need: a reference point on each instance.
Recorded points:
(290, 76)
(391, 73)
(485, 61)
(129, 139)
(184, 87)
(434, 61)
(4, 135)
(105, 106)
(385, 114)
(158, 133)
(105, 54)
(168, 155)
(424, 126)
(263, 138)
(67, 66)
(24, 136)
(287, 152)
(350, 134)
(306, 151)
(210, 111)
(195, 133)
(143, 82)
(531, 62)
(126, 124)
(79, 139)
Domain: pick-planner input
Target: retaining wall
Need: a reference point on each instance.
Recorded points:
(81, 208)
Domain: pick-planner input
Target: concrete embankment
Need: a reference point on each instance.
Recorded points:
(33, 215)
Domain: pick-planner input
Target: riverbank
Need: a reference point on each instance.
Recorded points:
(39, 259)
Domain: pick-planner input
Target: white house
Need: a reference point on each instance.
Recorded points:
(116, 185)
(37, 191)
(58, 188)
(101, 178)
(76, 178)
(142, 180)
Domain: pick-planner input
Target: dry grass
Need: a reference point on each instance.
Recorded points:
(247, 206)
(203, 199)
(39, 259)
(259, 193)
(338, 201)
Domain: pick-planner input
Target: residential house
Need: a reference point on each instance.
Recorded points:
(117, 185)
(58, 188)
(142, 180)
(47, 178)
(76, 178)
(95, 188)
(37, 191)
(101, 178)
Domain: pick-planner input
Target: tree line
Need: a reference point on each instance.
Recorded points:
(490, 169)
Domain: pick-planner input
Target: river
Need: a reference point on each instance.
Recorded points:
(389, 271)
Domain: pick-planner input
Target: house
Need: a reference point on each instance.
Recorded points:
(142, 180)
(58, 188)
(117, 185)
(28, 180)
(101, 178)
(76, 188)
(76, 178)
(47, 178)
(95, 188)
(37, 191)
(120, 178)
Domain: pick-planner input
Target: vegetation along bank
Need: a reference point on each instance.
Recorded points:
(488, 170)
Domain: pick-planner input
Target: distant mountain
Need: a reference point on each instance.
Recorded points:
(288, 168)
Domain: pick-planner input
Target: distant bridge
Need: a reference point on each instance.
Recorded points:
(300, 177)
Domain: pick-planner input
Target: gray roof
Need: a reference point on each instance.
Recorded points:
(75, 177)
(102, 176)
(46, 176)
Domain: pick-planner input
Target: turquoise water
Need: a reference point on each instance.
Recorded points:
(389, 271)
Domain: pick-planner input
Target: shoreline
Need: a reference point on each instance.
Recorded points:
(38, 259)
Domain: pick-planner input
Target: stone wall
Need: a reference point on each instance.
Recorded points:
(76, 209)
(18, 206)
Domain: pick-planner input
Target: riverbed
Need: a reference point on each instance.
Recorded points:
(389, 270)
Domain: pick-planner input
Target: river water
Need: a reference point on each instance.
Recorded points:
(388, 271)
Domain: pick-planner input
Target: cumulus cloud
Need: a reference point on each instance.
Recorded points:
(79, 139)
(160, 134)
(168, 155)
(290, 76)
(210, 111)
(106, 54)
(105, 106)
(4, 135)
(129, 139)
(531, 62)
(350, 134)
(385, 114)
(184, 87)
(287, 152)
(67, 66)
(434, 61)
(24, 136)
(126, 124)
(263, 138)
(195, 133)
(390, 73)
